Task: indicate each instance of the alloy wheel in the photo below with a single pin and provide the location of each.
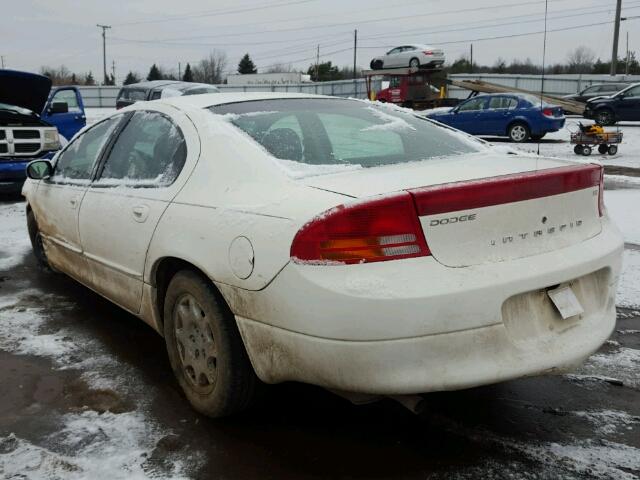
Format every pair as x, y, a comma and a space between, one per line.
518, 133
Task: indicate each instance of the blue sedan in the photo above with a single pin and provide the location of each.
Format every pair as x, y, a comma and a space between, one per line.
517, 116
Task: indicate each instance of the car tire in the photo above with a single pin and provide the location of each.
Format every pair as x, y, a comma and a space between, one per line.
577, 149
612, 150
605, 117
537, 137
586, 151
205, 349
519, 132
602, 149
376, 64
414, 63
36, 241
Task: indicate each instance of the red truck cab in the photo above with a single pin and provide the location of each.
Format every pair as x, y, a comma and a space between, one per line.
407, 90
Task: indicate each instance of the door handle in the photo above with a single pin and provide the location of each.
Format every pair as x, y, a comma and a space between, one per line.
73, 201
140, 213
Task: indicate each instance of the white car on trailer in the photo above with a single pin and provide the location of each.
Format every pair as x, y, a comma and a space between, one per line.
287, 237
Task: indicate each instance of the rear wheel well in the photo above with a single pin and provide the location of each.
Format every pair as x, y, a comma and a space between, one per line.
517, 122
165, 271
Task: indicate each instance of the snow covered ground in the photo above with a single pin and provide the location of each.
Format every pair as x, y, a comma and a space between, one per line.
557, 144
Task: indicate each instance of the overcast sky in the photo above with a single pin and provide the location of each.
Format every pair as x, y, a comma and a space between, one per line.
53, 32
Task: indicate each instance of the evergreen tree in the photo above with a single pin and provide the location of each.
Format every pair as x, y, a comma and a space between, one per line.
89, 80
74, 79
131, 78
110, 80
188, 74
246, 65
154, 73
324, 72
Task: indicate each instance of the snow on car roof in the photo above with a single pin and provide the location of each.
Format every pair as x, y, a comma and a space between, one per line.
212, 99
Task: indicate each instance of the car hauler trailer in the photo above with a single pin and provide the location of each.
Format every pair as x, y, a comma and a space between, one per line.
410, 87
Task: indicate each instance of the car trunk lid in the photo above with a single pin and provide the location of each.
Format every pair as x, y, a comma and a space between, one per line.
499, 209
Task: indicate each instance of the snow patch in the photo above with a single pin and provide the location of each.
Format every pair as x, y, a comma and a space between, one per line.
629, 284
15, 239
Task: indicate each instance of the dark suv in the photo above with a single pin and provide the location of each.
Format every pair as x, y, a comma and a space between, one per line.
624, 105
153, 90
597, 90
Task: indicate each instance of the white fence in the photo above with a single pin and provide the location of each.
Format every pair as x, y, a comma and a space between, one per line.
106, 96
553, 84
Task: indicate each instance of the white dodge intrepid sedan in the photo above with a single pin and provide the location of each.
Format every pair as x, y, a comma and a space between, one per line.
275, 237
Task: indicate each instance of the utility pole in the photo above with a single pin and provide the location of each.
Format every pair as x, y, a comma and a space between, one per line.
104, 51
2, 60
626, 65
616, 34
318, 64
471, 60
355, 50
113, 71
179, 71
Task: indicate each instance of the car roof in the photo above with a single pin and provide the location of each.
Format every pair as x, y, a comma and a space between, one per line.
212, 99
153, 84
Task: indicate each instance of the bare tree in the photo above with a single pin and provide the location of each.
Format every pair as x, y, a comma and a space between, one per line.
211, 69
279, 68
581, 59
59, 76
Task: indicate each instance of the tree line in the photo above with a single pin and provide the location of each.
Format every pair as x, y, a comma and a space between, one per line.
213, 69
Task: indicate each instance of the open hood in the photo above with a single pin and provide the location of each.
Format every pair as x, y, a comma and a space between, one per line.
23, 89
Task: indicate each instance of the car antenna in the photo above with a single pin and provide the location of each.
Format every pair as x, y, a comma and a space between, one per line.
544, 55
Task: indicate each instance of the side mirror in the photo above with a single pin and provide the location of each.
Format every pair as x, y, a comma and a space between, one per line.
58, 107
39, 169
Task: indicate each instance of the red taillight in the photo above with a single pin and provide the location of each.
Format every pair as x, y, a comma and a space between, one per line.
387, 228
601, 207
548, 112
485, 192
428, 52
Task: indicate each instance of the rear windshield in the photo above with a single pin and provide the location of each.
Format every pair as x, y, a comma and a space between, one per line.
343, 132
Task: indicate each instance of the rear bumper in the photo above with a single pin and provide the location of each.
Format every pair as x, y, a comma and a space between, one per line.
548, 126
415, 325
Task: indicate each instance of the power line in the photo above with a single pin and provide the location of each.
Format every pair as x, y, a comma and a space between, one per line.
360, 22
209, 13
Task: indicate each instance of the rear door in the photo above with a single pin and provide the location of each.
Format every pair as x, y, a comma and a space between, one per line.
71, 122
137, 179
499, 113
58, 198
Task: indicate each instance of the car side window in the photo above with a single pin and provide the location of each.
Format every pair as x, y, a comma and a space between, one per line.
77, 160
589, 90
473, 104
633, 92
156, 95
502, 103
150, 152
69, 97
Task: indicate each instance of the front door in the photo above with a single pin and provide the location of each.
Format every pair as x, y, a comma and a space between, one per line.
71, 122
57, 200
467, 116
120, 211
628, 107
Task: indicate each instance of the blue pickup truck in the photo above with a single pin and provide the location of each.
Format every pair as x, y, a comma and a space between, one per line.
35, 121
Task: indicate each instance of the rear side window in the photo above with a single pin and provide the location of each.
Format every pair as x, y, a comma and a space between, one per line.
133, 95
150, 152
341, 133
503, 103
77, 160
